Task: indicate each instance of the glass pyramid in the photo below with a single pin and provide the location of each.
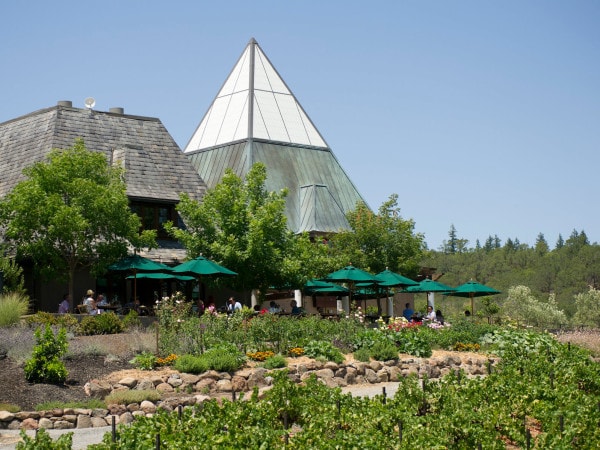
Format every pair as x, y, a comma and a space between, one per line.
254, 103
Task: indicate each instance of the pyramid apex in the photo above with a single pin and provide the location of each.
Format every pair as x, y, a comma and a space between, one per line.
252, 41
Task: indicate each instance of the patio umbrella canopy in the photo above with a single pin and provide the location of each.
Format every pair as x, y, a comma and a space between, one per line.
473, 289
135, 264
202, 266
317, 287
351, 275
162, 276
429, 286
387, 278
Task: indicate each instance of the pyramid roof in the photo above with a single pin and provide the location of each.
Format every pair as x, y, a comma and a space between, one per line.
255, 117
255, 102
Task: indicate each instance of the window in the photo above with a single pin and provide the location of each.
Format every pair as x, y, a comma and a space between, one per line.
154, 216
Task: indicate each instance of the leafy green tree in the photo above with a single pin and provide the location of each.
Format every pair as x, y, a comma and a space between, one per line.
380, 241
523, 306
588, 308
240, 225
12, 276
71, 212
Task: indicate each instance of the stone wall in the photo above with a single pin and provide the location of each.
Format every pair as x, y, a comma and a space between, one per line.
181, 389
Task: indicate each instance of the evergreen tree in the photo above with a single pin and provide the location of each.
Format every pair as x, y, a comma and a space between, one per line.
560, 242
541, 246
451, 246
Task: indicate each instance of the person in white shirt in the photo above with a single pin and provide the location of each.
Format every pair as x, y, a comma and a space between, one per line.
430, 316
233, 305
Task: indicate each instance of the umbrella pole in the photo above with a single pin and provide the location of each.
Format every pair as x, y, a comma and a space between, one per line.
134, 285
472, 305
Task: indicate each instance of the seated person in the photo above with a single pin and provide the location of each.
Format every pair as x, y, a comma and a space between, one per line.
439, 317
296, 310
63, 307
408, 312
430, 316
274, 307
100, 302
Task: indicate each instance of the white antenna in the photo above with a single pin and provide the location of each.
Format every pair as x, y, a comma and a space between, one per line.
90, 102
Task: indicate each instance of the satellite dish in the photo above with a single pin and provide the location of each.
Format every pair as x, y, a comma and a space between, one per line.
90, 102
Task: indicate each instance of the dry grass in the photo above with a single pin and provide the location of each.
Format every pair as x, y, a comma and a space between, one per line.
588, 339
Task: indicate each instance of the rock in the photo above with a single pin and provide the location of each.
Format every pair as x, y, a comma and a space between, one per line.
99, 422
375, 366
126, 417
130, 382
324, 373
201, 398
147, 407
174, 380
205, 385
64, 425
29, 424
189, 378
371, 375
72, 418
46, 423
238, 384
99, 412
97, 389
23, 415
85, 411
224, 386
83, 421
116, 410
165, 387
145, 384
137, 414
6, 416
14, 425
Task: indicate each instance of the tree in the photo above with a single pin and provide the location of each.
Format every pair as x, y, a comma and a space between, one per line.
588, 308
71, 212
541, 246
380, 241
240, 225
451, 245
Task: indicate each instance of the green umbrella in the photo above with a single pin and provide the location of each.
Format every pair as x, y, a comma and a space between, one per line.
473, 289
428, 285
137, 263
351, 275
202, 266
162, 276
316, 287
387, 278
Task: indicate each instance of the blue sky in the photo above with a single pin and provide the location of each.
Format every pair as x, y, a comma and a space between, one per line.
481, 114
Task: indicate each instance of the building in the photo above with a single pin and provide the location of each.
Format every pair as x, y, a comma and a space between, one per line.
156, 170
255, 117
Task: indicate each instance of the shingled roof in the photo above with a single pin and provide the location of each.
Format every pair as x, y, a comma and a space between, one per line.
255, 117
155, 167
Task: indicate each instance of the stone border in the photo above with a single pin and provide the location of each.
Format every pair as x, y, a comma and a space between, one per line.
182, 389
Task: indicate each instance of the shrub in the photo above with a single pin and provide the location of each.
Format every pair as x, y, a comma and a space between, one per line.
42, 441
323, 349
223, 358
144, 361
12, 307
132, 396
45, 364
105, 323
131, 320
384, 351
86, 404
9, 407
275, 362
362, 354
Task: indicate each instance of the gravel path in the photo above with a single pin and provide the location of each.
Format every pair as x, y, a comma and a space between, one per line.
82, 437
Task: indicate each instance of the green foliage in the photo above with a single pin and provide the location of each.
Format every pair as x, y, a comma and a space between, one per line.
70, 212
56, 404
463, 330
12, 307
9, 407
105, 323
522, 306
240, 225
45, 365
127, 397
131, 320
362, 354
323, 350
144, 361
384, 351
275, 362
456, 412
224, 357
380, 241
12, 276
42, 441
41, 318
588, 308
515, 343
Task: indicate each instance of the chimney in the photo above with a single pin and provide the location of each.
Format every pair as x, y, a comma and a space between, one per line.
67, 103
117, 110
